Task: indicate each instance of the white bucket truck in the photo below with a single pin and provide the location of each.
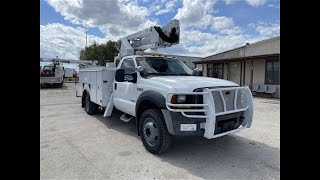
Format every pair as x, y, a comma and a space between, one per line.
52, 74
162, 95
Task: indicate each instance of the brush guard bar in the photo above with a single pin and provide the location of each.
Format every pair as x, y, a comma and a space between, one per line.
209, 108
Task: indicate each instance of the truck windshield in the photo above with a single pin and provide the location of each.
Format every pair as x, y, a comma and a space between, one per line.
47, 68
162, 66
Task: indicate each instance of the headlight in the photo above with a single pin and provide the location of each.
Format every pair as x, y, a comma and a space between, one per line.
178, 99
182, 98
186, 99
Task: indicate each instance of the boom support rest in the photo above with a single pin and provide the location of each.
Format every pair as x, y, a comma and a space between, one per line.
151, 38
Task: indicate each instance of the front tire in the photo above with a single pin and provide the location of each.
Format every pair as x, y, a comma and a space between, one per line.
153, 131
91, 108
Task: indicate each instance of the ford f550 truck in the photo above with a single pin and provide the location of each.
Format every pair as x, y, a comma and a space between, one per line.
162, 95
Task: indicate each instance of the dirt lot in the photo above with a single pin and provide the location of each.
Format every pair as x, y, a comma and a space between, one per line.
74, 145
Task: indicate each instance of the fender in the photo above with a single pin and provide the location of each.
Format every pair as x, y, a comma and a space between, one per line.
86, 87
149, 95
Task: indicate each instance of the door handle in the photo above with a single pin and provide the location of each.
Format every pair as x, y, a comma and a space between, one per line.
115, 86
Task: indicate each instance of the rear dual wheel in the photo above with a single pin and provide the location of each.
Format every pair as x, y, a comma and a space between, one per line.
91, 108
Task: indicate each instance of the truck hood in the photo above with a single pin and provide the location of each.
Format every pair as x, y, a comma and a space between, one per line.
189, 83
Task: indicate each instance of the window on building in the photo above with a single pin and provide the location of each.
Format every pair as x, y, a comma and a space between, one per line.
218, 70
210, 70
215, 70
272, 71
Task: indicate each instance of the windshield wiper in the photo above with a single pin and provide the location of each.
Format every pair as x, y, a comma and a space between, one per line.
167, 74
179, 74
185, 74
158, 74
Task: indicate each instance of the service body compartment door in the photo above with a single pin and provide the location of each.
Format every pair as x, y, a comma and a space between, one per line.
93, 86
107, 79
79, 87
99, 87
98, 81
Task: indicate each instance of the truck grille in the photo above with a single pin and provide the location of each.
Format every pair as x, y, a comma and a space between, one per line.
229, 97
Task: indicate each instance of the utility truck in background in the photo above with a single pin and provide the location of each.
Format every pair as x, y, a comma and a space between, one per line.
161, 94
52, 74
52, 71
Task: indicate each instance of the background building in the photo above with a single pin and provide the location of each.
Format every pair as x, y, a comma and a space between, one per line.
256, 63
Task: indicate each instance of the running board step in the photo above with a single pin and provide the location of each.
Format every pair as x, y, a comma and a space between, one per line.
126, 117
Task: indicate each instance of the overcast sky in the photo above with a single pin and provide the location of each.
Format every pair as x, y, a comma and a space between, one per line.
207, 26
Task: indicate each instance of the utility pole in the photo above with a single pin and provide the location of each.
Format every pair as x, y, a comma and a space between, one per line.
86, 34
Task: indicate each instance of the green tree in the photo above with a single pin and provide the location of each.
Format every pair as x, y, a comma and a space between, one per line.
101, 52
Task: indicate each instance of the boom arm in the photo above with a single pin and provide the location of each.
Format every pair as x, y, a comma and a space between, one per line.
69, 61
82, 62
150, 38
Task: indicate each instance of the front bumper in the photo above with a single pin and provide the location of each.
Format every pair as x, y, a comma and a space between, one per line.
214, 121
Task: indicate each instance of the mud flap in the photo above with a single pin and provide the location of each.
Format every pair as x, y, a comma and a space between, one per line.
109, 108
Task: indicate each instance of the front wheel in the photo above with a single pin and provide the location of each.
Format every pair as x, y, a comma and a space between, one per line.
153, 131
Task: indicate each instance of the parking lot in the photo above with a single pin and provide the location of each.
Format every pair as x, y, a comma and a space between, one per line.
74, 145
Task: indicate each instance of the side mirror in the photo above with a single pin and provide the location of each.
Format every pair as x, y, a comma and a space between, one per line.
140, 68
131, 77
119, 75
134, 76
195, 73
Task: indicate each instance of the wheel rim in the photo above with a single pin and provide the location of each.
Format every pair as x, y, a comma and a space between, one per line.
150, 132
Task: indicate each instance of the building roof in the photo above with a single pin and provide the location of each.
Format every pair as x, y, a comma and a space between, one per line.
267, 47
172, 55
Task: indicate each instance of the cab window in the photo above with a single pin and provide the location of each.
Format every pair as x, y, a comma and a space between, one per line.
128, 66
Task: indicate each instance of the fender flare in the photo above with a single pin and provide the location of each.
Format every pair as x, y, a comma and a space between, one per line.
149, 95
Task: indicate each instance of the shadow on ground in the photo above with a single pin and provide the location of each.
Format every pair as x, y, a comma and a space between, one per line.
54, 88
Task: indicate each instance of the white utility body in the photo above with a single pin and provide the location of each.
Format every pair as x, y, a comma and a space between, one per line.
162, 94
97, 81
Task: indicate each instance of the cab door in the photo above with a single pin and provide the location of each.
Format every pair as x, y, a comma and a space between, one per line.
124, 92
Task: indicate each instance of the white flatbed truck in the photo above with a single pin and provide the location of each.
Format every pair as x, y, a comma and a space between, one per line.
162, 95
52, 74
